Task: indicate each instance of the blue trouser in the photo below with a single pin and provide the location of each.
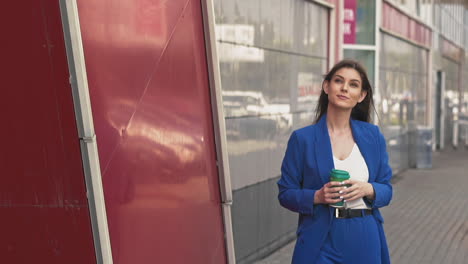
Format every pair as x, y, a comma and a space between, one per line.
352, 240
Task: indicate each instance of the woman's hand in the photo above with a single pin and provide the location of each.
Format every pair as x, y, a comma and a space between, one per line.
358, 190
330, 193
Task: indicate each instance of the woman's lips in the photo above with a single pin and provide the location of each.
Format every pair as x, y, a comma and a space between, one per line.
342, 97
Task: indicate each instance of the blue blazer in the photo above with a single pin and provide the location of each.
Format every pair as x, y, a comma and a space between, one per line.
305, 169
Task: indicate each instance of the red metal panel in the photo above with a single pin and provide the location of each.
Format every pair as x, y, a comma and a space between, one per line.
43, 205
122, 50
147, 74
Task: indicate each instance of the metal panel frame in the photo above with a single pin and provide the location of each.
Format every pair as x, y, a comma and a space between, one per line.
341, 30
442, 109
84, 119
323, 3
429, 93
359, 47
412, 42
219, 126
332, 33
377, 47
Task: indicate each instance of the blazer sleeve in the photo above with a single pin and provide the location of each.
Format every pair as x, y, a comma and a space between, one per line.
382, 187
291, 194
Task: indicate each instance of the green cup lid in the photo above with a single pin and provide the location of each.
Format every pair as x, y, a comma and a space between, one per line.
339, 174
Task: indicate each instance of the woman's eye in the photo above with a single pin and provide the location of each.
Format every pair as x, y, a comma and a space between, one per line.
338, 80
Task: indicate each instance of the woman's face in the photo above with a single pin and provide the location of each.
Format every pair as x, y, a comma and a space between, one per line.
345, 89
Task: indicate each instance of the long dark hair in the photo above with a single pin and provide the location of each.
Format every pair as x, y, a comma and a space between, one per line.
362, 111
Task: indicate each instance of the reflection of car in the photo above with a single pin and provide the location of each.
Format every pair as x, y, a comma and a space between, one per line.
238, 103
253, 116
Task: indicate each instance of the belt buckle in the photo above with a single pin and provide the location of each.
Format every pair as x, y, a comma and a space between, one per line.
337, 213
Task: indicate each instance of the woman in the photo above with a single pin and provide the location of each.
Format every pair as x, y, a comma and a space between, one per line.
341, 138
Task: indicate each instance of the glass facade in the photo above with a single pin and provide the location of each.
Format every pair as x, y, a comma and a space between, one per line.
412, 6
272, 56
463, 116
365, 27
420, 8
282, 25
451, 98
359, 22
403, 99
366, 58
450, 20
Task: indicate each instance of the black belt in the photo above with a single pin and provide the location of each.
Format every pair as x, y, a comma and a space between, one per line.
349, 213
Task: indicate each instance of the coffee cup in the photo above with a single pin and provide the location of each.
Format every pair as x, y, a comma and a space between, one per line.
339, 176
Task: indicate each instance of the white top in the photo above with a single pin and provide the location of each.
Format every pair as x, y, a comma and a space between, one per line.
357, 168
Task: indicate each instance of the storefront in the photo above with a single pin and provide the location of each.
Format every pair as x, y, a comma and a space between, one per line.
449, 66
403, 83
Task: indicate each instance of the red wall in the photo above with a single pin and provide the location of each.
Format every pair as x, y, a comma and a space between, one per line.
148, 81
44, 214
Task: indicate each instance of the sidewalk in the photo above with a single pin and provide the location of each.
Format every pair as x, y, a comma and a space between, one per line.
427, 221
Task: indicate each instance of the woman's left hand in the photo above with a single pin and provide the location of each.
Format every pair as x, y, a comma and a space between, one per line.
358, 190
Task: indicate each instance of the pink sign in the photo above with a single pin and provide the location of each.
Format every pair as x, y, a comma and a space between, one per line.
349, 21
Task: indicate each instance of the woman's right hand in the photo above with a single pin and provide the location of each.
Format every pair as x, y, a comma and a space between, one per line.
330, 193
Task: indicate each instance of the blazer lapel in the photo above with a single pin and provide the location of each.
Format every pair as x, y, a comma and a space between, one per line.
363, 139
323, 150
324, 154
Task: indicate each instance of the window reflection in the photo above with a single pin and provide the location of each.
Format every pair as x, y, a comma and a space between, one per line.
403, 81
254, 115
402, 91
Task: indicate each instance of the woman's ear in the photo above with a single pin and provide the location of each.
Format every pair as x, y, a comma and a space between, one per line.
325, 86
363, 95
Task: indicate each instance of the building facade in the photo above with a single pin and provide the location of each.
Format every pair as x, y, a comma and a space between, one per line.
153, 131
